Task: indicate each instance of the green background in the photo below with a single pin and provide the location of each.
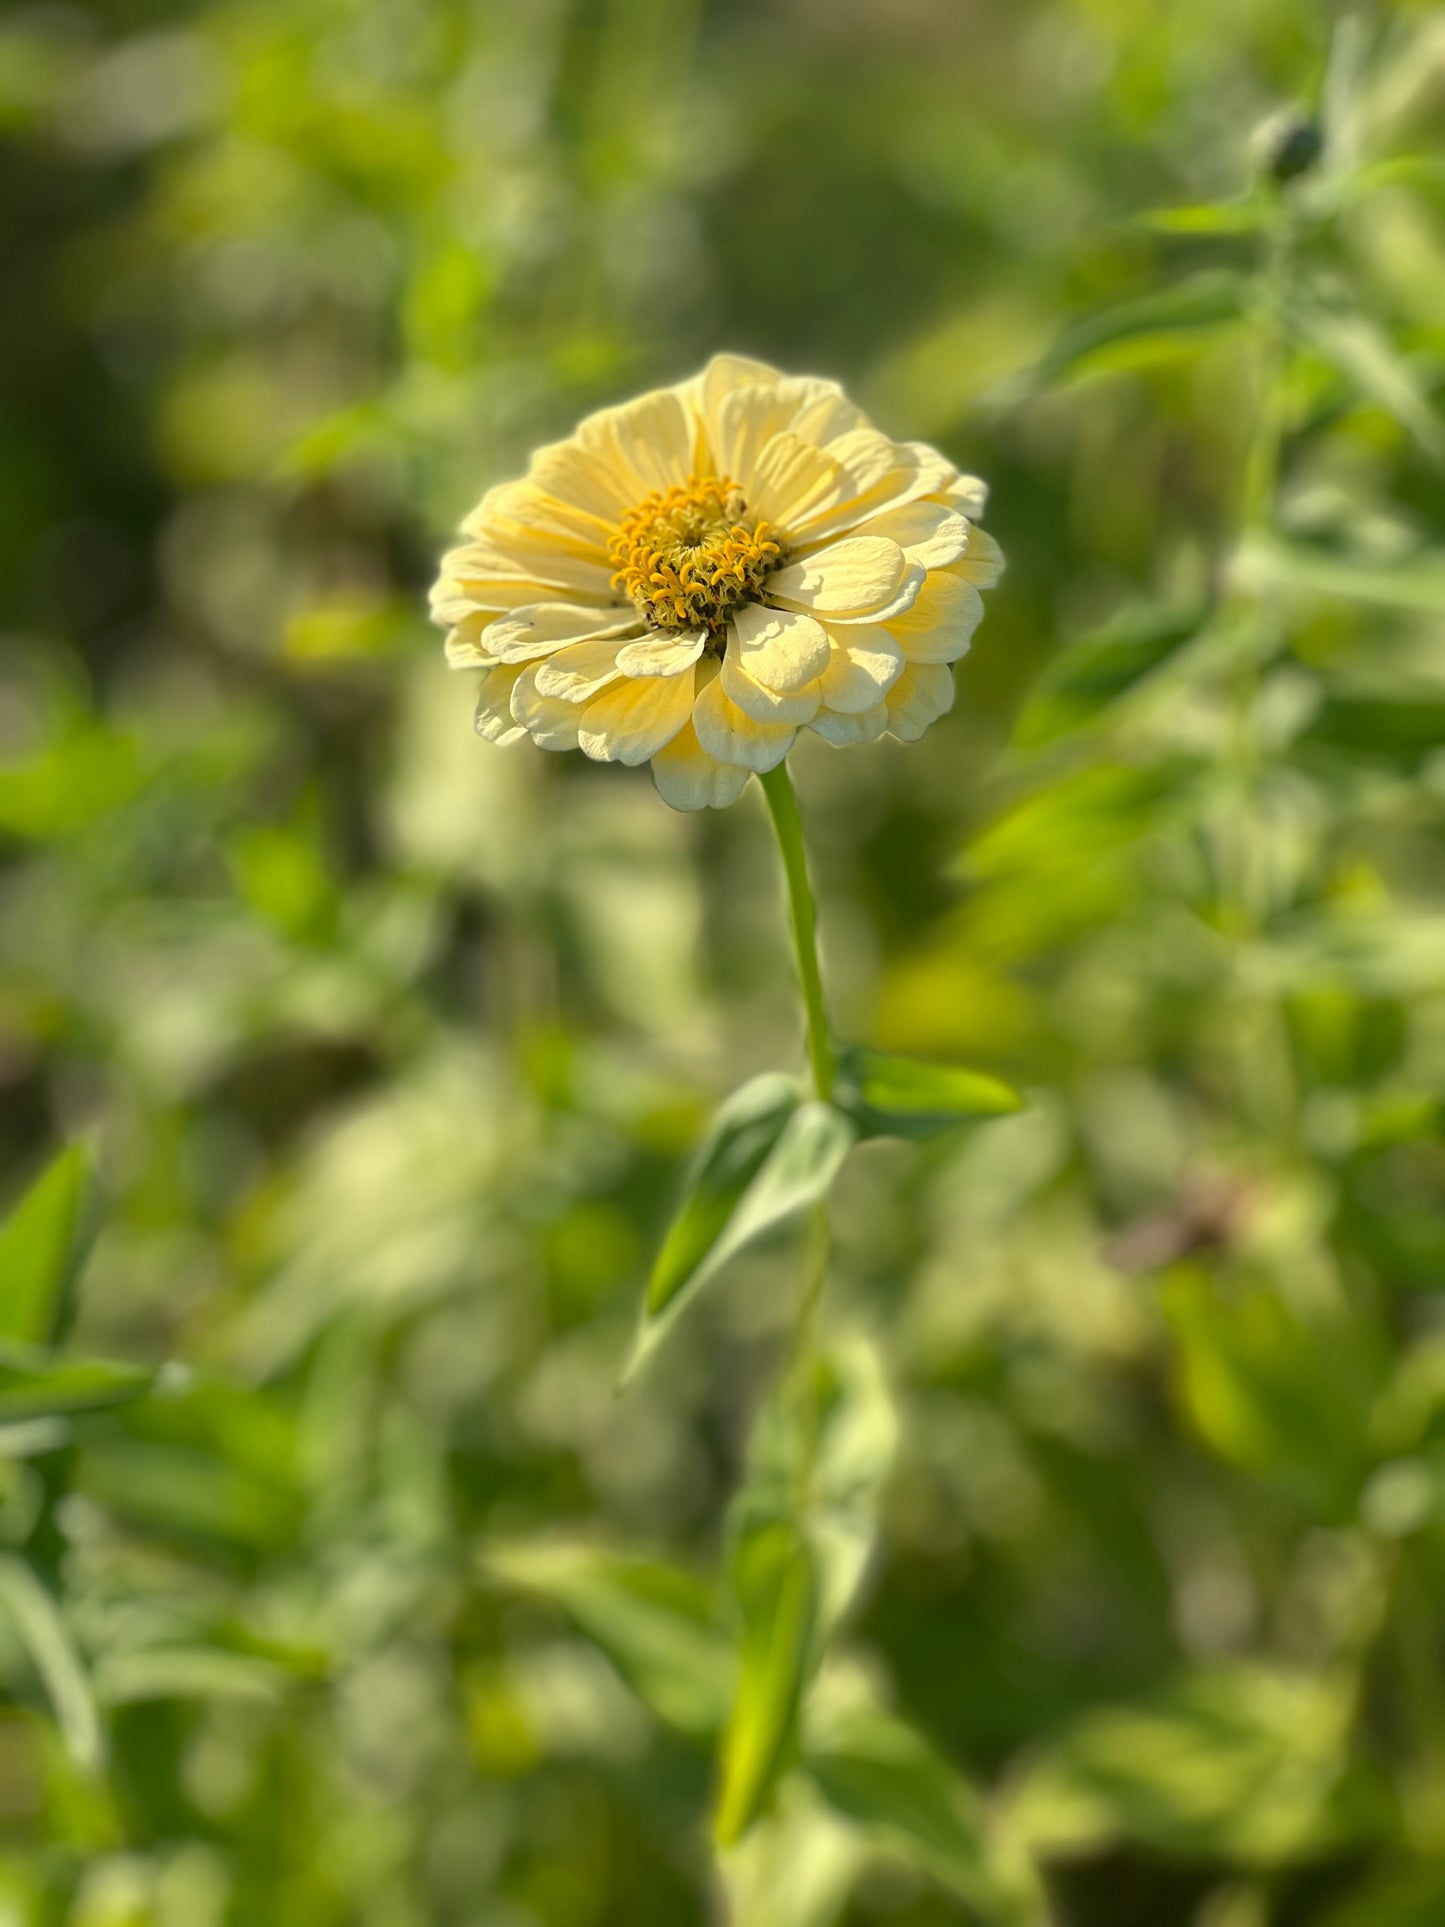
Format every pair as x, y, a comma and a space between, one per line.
390, 1047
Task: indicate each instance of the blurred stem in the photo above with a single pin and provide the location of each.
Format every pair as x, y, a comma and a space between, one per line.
783, 808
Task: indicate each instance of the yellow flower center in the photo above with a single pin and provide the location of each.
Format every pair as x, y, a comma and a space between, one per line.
688, 556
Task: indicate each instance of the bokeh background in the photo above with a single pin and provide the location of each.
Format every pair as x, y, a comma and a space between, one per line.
390, 1046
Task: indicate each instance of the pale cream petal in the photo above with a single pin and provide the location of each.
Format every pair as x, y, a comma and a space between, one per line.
732, 736
634, 718
779, 648
967, 494
464, 646
794, 480
913, 580
746, 418
493, 718
551, 724
657, 655
863, 665
591, 480
653, 440
522, 512
922, 694
883, 475
689, 779
982, 564
492, 576
579, 671
940, 624
845, 731
765, 705
857, 576
929, 533
541, 628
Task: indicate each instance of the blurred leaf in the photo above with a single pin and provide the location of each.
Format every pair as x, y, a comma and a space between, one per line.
1165, 326
767, 1158
777, 1592
38, 1621
1269, 1394
1246, 1763
1415, 585
886, 1779
1088, 675
42, 1246
900, 1097
36, 1384
1353, 344
185, 1673
656, 1623
1247, 215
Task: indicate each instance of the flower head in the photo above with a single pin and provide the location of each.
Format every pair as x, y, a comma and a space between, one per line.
698, 574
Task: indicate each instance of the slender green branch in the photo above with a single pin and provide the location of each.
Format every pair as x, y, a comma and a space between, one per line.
783, 808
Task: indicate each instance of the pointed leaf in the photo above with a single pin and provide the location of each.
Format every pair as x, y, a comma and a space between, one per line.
654, 1622
744, 1131
1089, 675
902, 1097
42, 1243
36, 1384
1163, 326
776, 1583
758, 1170
42, 1630
886, 1779
1366, 357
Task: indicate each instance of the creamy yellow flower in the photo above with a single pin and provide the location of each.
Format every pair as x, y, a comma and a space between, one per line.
697, 575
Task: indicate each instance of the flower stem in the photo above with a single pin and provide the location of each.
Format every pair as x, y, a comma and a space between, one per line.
783, 808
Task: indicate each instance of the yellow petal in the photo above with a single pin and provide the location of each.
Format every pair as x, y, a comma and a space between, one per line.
929, 533
652, 440
793, 480
779, 648
967, 494
522, 512
541, 628
941, 622
844, 731
857, 576
732, 736
765, 705
635, 717
493, 718
660, 655
593, 483
745, 419
982, 564
863, 665
922, 694
551, 724
689, 779
578, 671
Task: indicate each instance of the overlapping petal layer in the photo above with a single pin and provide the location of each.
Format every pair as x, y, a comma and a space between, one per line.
850, 630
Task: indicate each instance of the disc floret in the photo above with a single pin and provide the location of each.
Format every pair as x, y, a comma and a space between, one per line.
689, 555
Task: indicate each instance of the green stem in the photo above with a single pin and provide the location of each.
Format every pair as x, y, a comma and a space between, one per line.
783, 808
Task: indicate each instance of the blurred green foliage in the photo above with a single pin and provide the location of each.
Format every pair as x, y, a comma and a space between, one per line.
376, 1605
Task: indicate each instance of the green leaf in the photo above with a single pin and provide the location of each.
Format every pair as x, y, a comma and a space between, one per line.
1085, 678
1280, 1399
655, 1623
1247, 215
42, 1630
1415, 585
36, 1384
777, 1588
768, 1157
900, 1097
1351, 343
1245, 1762
1165, 326
745, 1129
42, 1245
887, 1780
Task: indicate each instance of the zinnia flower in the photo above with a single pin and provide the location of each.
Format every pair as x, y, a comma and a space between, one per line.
698, 574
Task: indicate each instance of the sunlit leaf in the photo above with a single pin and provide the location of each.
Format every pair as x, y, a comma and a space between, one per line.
1415, 584
42, 1244
1088, 675
36, 1384
775, 1580
902, 1097
887, 1780
768, 1157
656, 1623
1246, 1762
1169, 325
1363, 353
1247, 215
